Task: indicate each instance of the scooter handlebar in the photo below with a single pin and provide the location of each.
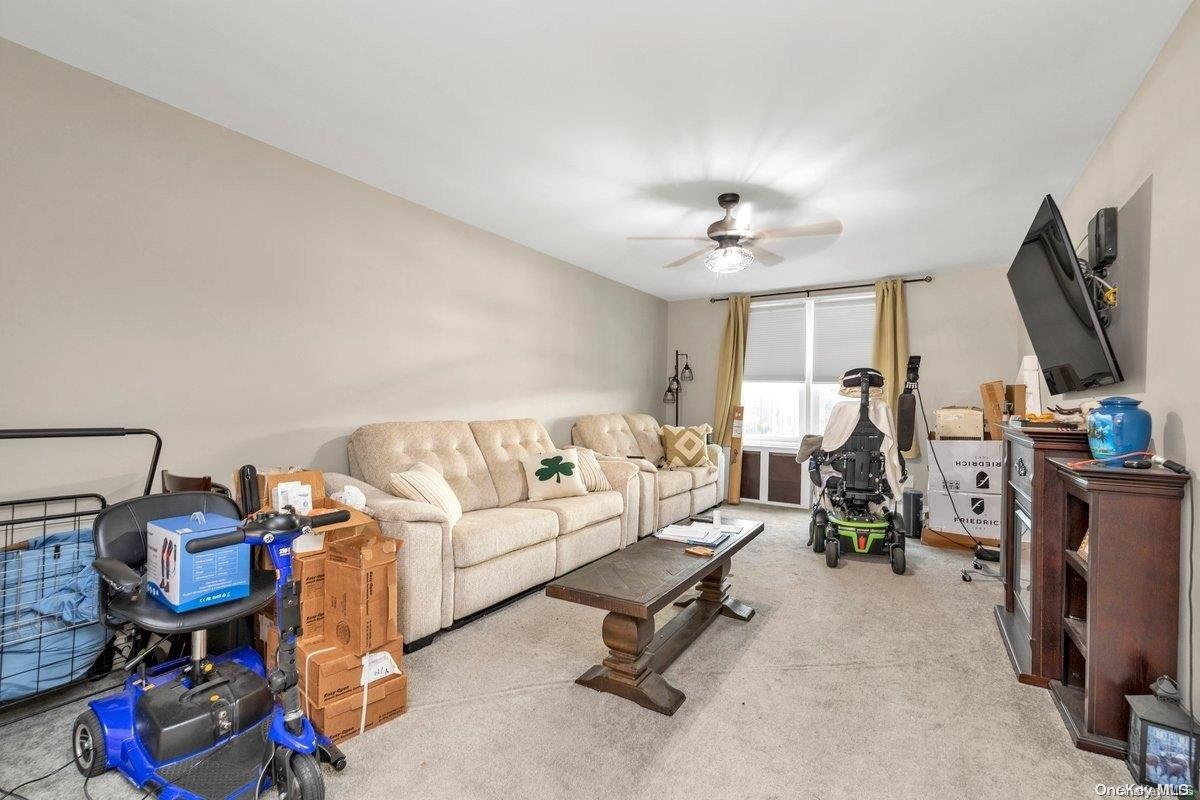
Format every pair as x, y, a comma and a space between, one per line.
216, 541
332, 518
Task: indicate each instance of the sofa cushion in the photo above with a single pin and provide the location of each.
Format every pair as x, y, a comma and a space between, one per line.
378, 450
579, 512
701, 476
491, 532
608, 434
645, 432
673, 482
503, 443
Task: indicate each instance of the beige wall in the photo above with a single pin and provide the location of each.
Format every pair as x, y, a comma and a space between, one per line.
1149, 168
963, 325
161, 271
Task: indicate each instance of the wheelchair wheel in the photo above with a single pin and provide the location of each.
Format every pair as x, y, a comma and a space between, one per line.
832, 549
898, 564
816, 532
87, 744
307, 783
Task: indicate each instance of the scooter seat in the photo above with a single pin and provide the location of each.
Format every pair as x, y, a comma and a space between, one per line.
148, 613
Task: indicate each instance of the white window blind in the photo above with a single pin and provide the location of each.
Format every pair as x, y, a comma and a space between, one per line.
843, 335
776, 346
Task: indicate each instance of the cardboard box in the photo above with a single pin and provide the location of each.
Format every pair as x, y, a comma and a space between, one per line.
967, 466
979, 512
959, 422
344, 719
329, 673
185, 581
269, 479
361, 593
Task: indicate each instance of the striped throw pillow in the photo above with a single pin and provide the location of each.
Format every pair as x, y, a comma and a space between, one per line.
593, 476
424, 484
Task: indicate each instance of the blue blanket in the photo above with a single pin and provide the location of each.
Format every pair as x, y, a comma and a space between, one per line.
49, 611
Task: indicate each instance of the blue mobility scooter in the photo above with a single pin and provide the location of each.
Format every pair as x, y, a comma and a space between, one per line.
201, 728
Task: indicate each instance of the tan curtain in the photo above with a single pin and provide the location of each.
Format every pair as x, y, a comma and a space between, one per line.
729, 371
890, 351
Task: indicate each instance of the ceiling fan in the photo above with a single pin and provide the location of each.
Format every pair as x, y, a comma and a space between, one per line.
738, 245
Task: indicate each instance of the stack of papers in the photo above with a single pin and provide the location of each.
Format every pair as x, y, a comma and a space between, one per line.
698, 533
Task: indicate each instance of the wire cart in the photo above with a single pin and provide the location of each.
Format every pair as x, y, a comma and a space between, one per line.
50, 632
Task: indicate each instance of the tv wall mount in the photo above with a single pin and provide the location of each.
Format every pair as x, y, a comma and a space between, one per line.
1102, 252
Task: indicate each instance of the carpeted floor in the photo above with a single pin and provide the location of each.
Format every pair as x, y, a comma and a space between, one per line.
847, 683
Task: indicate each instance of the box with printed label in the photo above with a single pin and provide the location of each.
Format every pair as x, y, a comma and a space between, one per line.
329, 672
979, 512
361, 592
966, 466
184, 581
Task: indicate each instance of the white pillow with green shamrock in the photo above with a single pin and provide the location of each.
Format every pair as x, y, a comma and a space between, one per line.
553, 474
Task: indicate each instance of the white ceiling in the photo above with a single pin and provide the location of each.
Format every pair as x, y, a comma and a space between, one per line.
930, 128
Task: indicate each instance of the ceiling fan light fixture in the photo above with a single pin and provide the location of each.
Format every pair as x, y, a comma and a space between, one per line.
726, 260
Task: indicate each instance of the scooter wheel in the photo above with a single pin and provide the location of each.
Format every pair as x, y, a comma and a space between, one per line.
898, 565
307, 781
87, 745
832, 550
817, 532
966, 578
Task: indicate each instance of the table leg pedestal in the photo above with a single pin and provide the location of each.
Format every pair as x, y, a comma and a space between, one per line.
627, 672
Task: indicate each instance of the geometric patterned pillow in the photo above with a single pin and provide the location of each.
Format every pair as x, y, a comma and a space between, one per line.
686, 447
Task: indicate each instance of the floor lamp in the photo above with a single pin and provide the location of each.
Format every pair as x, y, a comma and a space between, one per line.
675, 385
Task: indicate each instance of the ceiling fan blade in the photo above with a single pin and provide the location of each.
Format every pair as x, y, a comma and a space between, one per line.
765, 257
816, 229
667, 238
680, 262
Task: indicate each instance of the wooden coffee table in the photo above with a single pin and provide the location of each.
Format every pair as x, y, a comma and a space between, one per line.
636, 583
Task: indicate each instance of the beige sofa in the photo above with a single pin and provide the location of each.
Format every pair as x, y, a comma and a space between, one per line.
667, 495
504, 544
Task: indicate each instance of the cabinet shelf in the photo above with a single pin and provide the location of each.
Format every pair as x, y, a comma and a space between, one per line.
1077, 563
1077, 629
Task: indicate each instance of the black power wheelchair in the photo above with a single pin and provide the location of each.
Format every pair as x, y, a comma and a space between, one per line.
853, 509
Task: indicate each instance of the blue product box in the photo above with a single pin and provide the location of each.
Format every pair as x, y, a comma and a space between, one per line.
185, 581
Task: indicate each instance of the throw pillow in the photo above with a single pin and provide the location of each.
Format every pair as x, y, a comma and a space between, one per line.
589, 467
686, 447
425, 484
553, 474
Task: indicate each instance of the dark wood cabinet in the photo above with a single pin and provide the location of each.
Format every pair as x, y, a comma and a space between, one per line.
1091, 627
1110, 617
1025, 532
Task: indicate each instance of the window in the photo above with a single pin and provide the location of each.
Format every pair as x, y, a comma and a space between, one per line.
796, 351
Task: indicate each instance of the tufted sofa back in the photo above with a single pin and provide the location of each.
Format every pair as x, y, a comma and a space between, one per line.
645, 432
607, 434
504, 442
378, 450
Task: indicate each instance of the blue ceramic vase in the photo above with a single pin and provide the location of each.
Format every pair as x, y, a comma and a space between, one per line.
1118, 427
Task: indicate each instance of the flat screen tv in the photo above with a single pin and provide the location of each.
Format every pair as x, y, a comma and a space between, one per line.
1055, 303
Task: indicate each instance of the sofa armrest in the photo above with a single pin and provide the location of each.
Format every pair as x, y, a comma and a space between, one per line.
618, 473
715, 454
387, 507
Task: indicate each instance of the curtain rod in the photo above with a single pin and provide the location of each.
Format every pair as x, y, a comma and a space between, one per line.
808, 292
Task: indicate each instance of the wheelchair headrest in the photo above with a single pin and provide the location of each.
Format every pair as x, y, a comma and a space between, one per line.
851, 382
852, 378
